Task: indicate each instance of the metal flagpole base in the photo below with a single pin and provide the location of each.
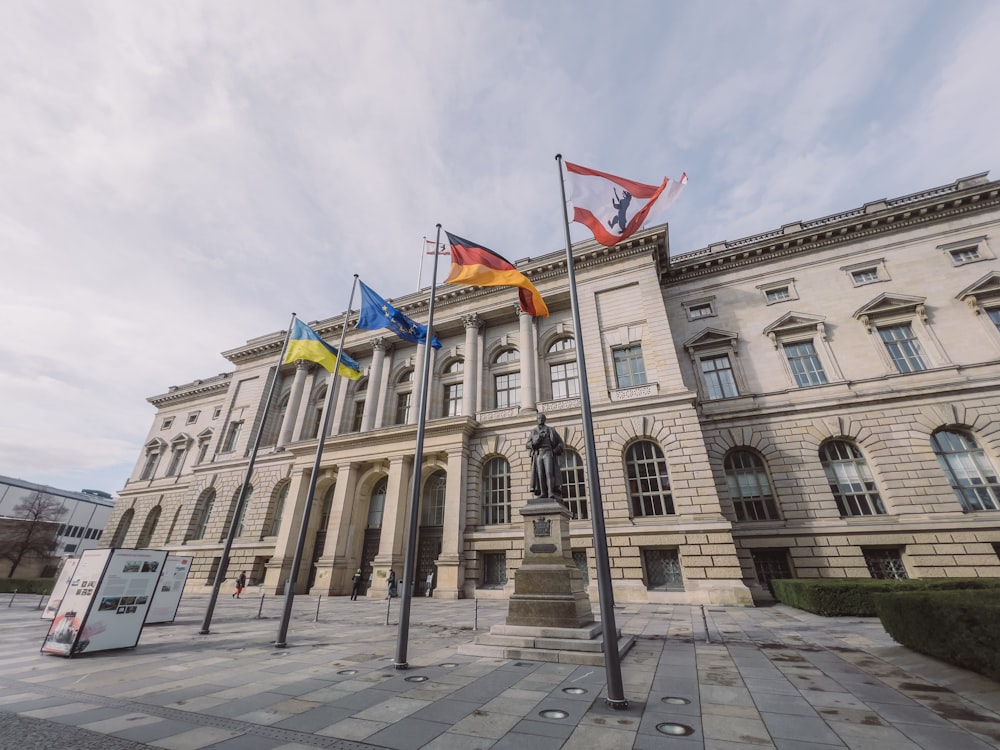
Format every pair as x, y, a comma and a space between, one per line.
283, 644
204, 631
621, 705
400, 665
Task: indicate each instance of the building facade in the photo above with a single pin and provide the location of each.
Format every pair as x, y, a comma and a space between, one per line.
80, 518
815, 401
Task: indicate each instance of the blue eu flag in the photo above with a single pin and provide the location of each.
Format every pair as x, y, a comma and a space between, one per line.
376, 313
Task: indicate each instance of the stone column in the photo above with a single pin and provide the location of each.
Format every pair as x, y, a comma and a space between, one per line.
394, 516
339, 404
470, 382
305, 405
451, 561
418, 368
345, 532
529, 400
279, 567
294, 397
374, 381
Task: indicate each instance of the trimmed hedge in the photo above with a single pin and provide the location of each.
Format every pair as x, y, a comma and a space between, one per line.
959, 627
855, 597
27, 585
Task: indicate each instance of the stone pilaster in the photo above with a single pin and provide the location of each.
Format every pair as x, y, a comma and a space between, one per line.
470, 384
529, 363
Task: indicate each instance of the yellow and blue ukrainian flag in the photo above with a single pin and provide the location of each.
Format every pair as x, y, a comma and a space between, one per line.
305, 343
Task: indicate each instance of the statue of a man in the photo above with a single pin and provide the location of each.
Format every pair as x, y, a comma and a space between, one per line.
545, 446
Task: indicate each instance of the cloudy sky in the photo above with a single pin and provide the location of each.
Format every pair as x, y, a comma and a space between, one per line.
177, 177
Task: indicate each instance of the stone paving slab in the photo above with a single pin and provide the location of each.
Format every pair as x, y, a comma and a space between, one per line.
757, 678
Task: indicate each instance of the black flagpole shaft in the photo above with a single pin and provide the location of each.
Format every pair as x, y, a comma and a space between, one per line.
280, 641
220, 572
403, 632
612, 659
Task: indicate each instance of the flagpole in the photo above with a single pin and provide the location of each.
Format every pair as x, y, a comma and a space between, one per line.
220, 572
281, 640
612, 659
411, 537
420, 273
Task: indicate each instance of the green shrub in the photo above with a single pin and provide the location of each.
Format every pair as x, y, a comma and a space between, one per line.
854, 597
27, 585
959, 627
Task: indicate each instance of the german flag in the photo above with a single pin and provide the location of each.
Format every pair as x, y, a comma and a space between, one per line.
475, 265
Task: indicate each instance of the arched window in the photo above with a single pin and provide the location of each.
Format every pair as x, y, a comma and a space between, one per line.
148, 526
376, 507
563, 376
749, 487
358, 415
202, 512
118, 539
969, 471
243, 511
496, 491
432, 504
275, 419
648, 481
574, 487
280, 495
850, 479
507, 379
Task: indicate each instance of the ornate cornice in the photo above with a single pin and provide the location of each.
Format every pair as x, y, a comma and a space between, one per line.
195, 389
968, 194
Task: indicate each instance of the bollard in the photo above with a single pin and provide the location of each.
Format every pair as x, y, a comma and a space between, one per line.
475, 622
40, 600
388, 605
704, 619
318, 600
261, 607
12, 598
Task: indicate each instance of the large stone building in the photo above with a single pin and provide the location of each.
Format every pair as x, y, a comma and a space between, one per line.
820, 400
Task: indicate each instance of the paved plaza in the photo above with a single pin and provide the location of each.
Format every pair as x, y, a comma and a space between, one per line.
729, 678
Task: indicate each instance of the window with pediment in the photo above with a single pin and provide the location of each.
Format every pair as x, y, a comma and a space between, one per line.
803, 348
178, 450
154, 451
713, 357
903, 336
983, 298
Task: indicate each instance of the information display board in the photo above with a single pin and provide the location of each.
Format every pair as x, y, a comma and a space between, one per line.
167, 597
106, 603
66, 572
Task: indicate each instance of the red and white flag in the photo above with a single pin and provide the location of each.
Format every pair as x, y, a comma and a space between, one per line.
430, 246
614, 208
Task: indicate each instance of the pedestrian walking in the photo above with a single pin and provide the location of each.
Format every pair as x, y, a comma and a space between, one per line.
391, 588
356, 586
241, 583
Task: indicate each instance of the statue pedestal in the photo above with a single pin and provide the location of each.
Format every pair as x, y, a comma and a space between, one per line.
549, 616
548, 587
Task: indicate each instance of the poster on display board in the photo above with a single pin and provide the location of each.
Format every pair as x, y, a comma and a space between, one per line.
66, 571
167, 597
106, 603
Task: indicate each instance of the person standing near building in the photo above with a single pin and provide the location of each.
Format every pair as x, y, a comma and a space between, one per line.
356, 586
390, 589
241, 583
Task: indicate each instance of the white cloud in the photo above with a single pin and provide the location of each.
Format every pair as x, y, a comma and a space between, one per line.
178, 177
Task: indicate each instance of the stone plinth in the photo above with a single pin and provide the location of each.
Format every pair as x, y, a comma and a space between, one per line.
548, 587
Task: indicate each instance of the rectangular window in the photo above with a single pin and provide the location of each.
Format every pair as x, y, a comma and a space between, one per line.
630, 370
150, 466
777, 295
717, 375
167, 423
494, 569
193, 417
994, 316
402, 408
805, 364
885, 563
217, 412
176, 458
663, 569
770, 565
965, 255
565, 382
453, 399
232, 436
202, 450
903, 347
508, 390
359, 416
700, 311
864, 276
